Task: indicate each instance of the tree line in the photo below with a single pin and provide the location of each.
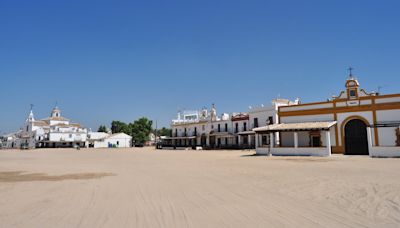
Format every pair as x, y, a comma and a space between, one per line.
139, 129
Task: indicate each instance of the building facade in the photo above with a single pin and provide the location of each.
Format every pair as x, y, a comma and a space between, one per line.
206, 129
353, 123
53, 131
108, 140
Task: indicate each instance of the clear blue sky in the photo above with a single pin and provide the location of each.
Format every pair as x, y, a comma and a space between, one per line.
120, 60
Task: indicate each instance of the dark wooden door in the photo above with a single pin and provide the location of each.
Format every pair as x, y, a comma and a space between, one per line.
203, 140
212, 141
356, 142
316, 141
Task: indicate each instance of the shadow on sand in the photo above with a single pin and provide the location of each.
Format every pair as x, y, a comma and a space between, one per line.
254, 155
20, 176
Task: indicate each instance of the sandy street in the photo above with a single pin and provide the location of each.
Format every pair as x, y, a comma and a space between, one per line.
143, 187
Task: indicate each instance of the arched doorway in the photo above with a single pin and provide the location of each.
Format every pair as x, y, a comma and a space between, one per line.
355, 137
212, 139
203, 140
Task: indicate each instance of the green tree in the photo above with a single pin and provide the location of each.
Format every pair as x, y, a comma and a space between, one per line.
118, 127
164, 132
102, 128
140, 130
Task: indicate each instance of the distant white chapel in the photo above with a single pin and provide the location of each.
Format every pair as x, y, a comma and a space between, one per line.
53, 131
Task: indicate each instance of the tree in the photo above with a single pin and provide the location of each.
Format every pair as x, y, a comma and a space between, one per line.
102, 128
140, 130
164, 132
118, 127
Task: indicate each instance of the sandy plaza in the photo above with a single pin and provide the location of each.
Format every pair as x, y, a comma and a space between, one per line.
144, 187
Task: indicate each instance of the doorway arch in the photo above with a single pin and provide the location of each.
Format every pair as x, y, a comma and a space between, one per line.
355, 137
203, 140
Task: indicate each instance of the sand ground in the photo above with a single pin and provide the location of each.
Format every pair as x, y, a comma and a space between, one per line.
143, 187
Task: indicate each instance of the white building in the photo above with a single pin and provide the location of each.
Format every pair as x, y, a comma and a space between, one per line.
230, 131
106, 140
256, 117
9, 140
354, 123
54, 131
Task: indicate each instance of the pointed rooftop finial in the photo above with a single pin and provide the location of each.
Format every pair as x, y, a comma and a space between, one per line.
350, 69
30, 116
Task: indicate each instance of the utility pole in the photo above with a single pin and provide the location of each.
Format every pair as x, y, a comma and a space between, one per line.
155, 136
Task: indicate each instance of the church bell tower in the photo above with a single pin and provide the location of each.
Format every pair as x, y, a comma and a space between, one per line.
56, 112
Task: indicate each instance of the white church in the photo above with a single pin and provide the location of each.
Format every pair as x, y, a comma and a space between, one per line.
51, 132
353, 123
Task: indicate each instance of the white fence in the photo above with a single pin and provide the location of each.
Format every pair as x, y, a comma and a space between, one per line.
299, 151
381, 151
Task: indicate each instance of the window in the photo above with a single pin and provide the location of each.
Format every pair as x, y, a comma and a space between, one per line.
226, 127
203, 127
70, 135
226, 141
27, 128
255, 122
270, 120
265, 139
117, 142
219, 127
212, 126
352, 93
315, 141
245, 140
236, 127
244, 126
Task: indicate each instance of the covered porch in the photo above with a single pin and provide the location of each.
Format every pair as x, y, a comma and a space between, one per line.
301, 139
246, 139
221, 140
176, 142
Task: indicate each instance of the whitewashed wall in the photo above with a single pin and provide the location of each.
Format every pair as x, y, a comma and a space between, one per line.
388, 115
387, 100
123, 142
306, 107
262, 114
287, 139
303, 138
309, 151
307, 118
67, 137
